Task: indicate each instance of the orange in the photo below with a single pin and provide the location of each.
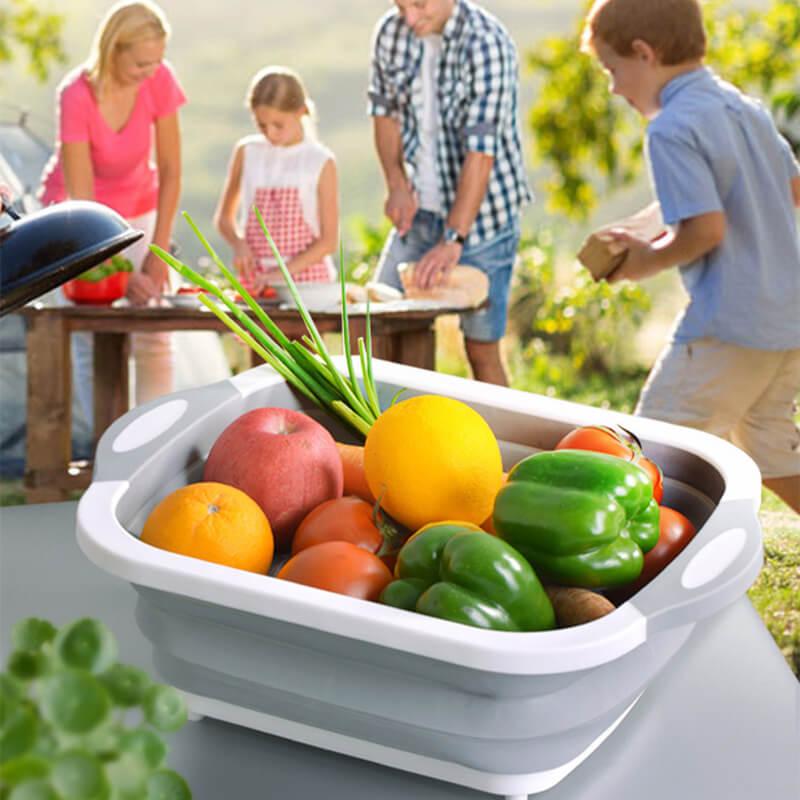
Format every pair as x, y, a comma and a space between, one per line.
431, 458
214, 522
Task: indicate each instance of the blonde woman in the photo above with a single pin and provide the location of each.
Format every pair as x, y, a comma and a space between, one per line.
291, 178
111, 111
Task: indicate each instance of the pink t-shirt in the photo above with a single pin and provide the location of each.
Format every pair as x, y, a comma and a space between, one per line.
125, 177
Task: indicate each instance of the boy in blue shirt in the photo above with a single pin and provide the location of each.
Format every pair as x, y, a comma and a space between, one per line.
727, 184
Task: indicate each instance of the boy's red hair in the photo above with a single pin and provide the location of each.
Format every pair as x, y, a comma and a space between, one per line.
673, 28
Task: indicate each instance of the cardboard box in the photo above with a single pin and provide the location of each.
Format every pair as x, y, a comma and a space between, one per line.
601, 254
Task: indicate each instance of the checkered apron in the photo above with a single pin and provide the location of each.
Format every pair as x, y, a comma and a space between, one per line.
282, 183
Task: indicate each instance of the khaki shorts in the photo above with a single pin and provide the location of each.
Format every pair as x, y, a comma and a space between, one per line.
746, 396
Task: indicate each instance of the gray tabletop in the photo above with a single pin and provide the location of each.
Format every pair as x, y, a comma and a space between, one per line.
721, 721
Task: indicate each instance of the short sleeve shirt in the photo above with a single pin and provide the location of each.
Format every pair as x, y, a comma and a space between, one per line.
712, 148
477, 100
125, 177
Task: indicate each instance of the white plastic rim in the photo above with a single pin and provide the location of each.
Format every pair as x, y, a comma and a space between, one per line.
710, 562
150, 425
111, 547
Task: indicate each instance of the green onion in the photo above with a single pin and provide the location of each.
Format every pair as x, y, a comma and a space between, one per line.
306, 365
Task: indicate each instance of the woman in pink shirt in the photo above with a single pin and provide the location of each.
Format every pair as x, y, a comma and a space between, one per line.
110, 111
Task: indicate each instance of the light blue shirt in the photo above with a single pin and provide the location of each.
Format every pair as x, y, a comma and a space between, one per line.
712, 148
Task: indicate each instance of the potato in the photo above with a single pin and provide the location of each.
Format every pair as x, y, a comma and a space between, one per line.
576, 606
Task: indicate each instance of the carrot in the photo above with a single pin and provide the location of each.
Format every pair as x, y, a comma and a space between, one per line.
575, 606
487, 523
355, 482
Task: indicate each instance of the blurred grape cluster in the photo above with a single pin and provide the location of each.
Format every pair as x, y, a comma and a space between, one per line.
75, 724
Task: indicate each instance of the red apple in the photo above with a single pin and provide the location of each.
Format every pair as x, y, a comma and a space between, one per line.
285, 460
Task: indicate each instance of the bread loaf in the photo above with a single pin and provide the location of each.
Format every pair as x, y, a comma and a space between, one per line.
466, 287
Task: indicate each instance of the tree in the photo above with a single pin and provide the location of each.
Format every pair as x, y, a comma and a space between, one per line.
37, 33
592, 143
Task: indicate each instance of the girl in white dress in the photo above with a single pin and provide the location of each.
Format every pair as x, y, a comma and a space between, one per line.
292, 179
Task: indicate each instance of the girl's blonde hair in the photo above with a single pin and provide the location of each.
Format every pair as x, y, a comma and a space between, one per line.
281, 88
673, 28
125, 24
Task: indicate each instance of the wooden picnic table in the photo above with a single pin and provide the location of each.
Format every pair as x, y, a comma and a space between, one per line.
405, 335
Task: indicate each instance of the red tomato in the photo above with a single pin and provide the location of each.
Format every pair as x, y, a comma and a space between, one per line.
267, 292
675, 532
349, 519
342, 519
341, 567
616, 442
655, 475
189, 290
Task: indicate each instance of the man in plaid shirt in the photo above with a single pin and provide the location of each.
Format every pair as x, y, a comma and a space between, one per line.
443, 99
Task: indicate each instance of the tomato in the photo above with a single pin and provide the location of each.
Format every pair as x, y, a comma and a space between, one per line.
350, 519
655, 475
675, 532
189, 290
341, 567
616, 442
267, 292
342, 519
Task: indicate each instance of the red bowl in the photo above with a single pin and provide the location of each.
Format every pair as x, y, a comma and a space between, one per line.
97, 293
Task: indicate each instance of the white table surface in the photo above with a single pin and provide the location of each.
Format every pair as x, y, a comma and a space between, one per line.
721, 721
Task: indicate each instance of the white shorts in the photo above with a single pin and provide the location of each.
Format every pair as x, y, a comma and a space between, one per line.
746, 396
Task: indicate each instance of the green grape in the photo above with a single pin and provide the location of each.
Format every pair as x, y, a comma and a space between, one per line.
164, 708
128, 775
47, 741
32, 633
18, 727
27, 665
145, 744
36, 789
11, 690
74, 701
165, 784
125, 684
24, 768
86, 644
78, 775
103, 740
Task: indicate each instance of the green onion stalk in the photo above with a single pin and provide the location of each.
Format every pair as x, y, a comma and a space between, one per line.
306, 365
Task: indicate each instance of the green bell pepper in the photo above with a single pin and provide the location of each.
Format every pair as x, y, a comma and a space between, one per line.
458, 572
581, 518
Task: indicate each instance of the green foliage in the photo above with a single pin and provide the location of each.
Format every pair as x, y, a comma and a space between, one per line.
24, 26
584, 326
64, 702
776, 592
369, 239
591, 142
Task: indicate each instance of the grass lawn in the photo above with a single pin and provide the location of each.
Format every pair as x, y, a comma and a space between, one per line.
776, 592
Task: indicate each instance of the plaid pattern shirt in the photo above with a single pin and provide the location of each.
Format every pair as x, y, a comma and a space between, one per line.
477, 96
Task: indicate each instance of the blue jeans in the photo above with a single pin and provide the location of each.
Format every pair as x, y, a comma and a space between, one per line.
494, 257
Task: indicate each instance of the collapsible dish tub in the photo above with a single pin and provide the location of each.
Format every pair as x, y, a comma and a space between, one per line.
505, 713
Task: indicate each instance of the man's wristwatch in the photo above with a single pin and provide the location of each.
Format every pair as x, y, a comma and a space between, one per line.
452, 235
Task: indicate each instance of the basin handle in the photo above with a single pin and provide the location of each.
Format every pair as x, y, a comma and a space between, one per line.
716, 568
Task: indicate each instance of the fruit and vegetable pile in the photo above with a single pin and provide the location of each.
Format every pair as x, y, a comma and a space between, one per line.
421, 516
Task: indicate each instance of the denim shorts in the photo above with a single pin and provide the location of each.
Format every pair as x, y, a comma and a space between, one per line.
494, 257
